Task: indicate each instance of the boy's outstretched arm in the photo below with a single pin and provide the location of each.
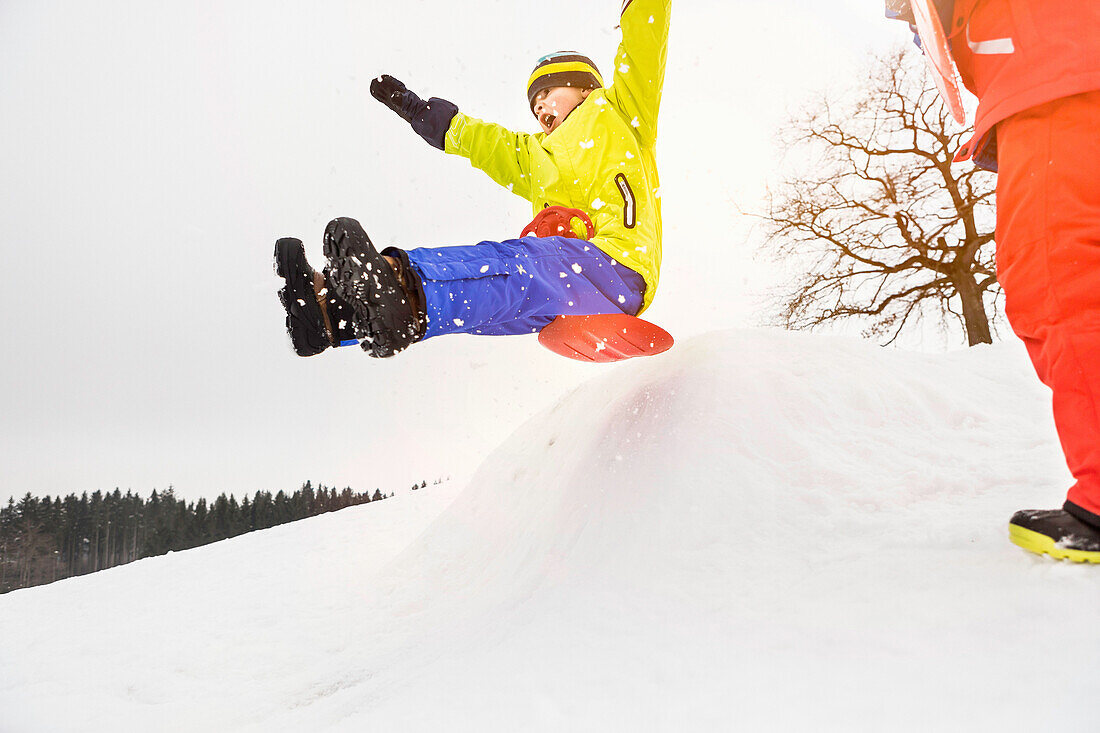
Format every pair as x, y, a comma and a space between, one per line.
640, 64
501, 153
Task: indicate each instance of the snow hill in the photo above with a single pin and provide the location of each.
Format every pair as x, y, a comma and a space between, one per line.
755, 531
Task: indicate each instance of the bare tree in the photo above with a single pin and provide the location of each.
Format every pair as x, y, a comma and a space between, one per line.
884, 227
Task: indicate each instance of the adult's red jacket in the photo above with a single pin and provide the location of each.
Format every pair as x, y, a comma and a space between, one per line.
1017, 54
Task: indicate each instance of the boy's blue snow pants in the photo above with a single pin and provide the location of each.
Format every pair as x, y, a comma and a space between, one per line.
520, 285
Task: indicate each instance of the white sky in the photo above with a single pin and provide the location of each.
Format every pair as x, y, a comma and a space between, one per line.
151, 153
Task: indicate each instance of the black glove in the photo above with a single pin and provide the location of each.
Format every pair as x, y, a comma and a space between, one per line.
396, 96
430, 119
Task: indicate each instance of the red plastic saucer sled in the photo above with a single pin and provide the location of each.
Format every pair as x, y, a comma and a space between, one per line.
604, 338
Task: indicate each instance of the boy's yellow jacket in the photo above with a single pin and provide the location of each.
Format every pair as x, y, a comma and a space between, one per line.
601, 158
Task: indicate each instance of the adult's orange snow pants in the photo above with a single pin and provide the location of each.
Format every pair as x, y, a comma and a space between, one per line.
1048, 263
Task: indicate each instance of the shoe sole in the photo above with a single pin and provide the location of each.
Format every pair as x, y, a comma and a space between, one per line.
368, 284
303, 316
1040, 544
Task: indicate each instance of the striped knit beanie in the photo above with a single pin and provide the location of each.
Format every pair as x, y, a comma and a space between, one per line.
562, 69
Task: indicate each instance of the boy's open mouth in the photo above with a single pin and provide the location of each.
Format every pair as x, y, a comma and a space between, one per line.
547, 119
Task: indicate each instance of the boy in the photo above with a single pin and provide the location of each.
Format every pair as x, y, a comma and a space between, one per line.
591, 167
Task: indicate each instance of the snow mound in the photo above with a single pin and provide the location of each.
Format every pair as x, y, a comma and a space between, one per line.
757, 530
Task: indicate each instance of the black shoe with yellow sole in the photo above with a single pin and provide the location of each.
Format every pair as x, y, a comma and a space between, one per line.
1055, 532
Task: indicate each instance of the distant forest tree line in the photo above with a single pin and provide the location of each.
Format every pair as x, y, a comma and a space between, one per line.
43, 540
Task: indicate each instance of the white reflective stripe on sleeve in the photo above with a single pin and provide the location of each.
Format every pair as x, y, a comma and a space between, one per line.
994, 47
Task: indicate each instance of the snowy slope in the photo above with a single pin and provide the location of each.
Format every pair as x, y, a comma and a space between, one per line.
755, 531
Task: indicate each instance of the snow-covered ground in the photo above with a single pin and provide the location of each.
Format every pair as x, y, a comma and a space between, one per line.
754, 531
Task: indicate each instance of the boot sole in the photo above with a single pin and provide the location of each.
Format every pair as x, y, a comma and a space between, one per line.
304, 322
383, 316
1040, 544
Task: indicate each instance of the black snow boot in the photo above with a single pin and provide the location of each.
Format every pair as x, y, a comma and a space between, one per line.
1057, 532
305, 319
387, 311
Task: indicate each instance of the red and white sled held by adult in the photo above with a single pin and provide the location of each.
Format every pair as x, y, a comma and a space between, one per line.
937, 51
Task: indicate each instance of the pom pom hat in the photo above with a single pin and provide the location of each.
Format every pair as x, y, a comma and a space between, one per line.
562, 69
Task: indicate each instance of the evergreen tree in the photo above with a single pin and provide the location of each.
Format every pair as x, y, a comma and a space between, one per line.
245, 521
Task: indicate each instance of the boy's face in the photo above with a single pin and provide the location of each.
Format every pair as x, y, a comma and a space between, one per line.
553, 105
